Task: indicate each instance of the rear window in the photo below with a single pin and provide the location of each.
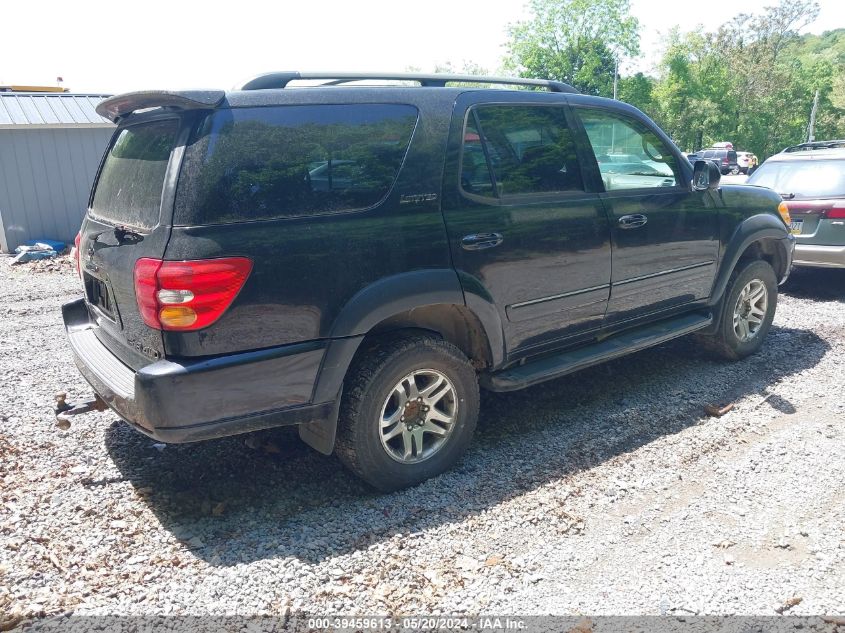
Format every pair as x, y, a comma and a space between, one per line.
803, 179
129, 187
529, 150
289, 161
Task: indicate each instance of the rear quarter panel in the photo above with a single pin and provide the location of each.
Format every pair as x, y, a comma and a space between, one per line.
305, 270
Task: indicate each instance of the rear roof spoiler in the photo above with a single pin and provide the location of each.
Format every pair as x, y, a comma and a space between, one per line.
119, 106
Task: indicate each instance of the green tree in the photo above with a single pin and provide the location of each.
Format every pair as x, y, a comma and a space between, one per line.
576, 41
693, 95
638, 90
751, 82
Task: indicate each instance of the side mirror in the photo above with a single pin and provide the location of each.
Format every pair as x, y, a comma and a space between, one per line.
705, 175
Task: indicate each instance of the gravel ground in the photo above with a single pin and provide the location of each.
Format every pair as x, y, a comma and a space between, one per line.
608, 492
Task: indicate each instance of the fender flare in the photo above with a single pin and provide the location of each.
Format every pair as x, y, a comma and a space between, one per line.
752, 229
372, 305
394, 295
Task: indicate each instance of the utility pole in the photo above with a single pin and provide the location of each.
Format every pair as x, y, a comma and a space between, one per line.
616, 77
811, 129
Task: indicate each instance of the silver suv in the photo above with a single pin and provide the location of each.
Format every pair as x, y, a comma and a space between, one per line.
811, 180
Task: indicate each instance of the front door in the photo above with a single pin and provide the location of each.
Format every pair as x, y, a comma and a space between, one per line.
525, 229
665, 236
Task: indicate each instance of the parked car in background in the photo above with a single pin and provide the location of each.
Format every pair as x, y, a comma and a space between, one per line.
358, 260
811, 180
725, 159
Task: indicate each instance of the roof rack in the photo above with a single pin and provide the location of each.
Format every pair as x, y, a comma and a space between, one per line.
269, 81
815, 145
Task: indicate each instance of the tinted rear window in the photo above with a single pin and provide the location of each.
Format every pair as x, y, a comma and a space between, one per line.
129, 188
263, 163
804, 179
530, 150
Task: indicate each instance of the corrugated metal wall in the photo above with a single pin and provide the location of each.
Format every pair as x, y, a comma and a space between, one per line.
45, 177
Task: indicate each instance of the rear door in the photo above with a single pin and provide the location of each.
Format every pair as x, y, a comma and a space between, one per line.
665, 236
125, 222
526, 226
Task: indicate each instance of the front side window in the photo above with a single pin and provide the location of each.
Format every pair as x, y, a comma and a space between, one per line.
130, 184
517, 150
629, 155
289, 161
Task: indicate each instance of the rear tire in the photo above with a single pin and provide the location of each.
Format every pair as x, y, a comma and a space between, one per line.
747, 312
408, 412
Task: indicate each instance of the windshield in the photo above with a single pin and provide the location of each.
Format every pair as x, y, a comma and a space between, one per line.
129, 188
803, 179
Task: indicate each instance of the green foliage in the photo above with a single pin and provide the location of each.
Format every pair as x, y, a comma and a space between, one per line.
752, 82
638, 90
575, 41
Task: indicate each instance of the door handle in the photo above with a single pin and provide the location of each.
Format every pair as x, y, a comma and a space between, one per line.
632, 221
480, 241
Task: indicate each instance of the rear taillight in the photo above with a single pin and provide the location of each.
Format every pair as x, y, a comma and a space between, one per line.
783, 209
190, 295
837, 212
75, 253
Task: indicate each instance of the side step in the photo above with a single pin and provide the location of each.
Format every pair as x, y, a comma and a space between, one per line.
550, 367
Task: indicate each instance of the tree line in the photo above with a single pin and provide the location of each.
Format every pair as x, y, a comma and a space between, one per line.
752, 81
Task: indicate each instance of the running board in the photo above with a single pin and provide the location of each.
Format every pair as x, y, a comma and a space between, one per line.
550, 367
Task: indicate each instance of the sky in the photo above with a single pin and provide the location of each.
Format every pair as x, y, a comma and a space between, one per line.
181, 44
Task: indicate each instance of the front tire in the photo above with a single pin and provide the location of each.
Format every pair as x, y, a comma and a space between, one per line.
409, 409
747, 312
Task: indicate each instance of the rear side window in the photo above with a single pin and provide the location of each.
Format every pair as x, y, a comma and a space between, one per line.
803, 179
128, 190
518, 150
289, 161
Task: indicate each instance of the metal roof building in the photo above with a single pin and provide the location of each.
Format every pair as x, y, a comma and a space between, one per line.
50, 147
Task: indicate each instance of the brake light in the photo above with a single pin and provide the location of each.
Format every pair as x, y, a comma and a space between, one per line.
838, 211
75, 253
188, 295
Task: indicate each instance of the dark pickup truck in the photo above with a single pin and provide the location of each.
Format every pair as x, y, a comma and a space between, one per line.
358, 259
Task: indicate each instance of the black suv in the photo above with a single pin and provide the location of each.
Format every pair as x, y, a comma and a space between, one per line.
356, 259
725, 159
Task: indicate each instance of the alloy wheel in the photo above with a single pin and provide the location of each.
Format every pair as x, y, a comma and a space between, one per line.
750, 310
418, 416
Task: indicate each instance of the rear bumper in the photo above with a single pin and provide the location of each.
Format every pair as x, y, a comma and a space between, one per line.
820, 256
182, 400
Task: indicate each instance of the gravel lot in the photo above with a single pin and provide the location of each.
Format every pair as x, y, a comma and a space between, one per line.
608, 492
